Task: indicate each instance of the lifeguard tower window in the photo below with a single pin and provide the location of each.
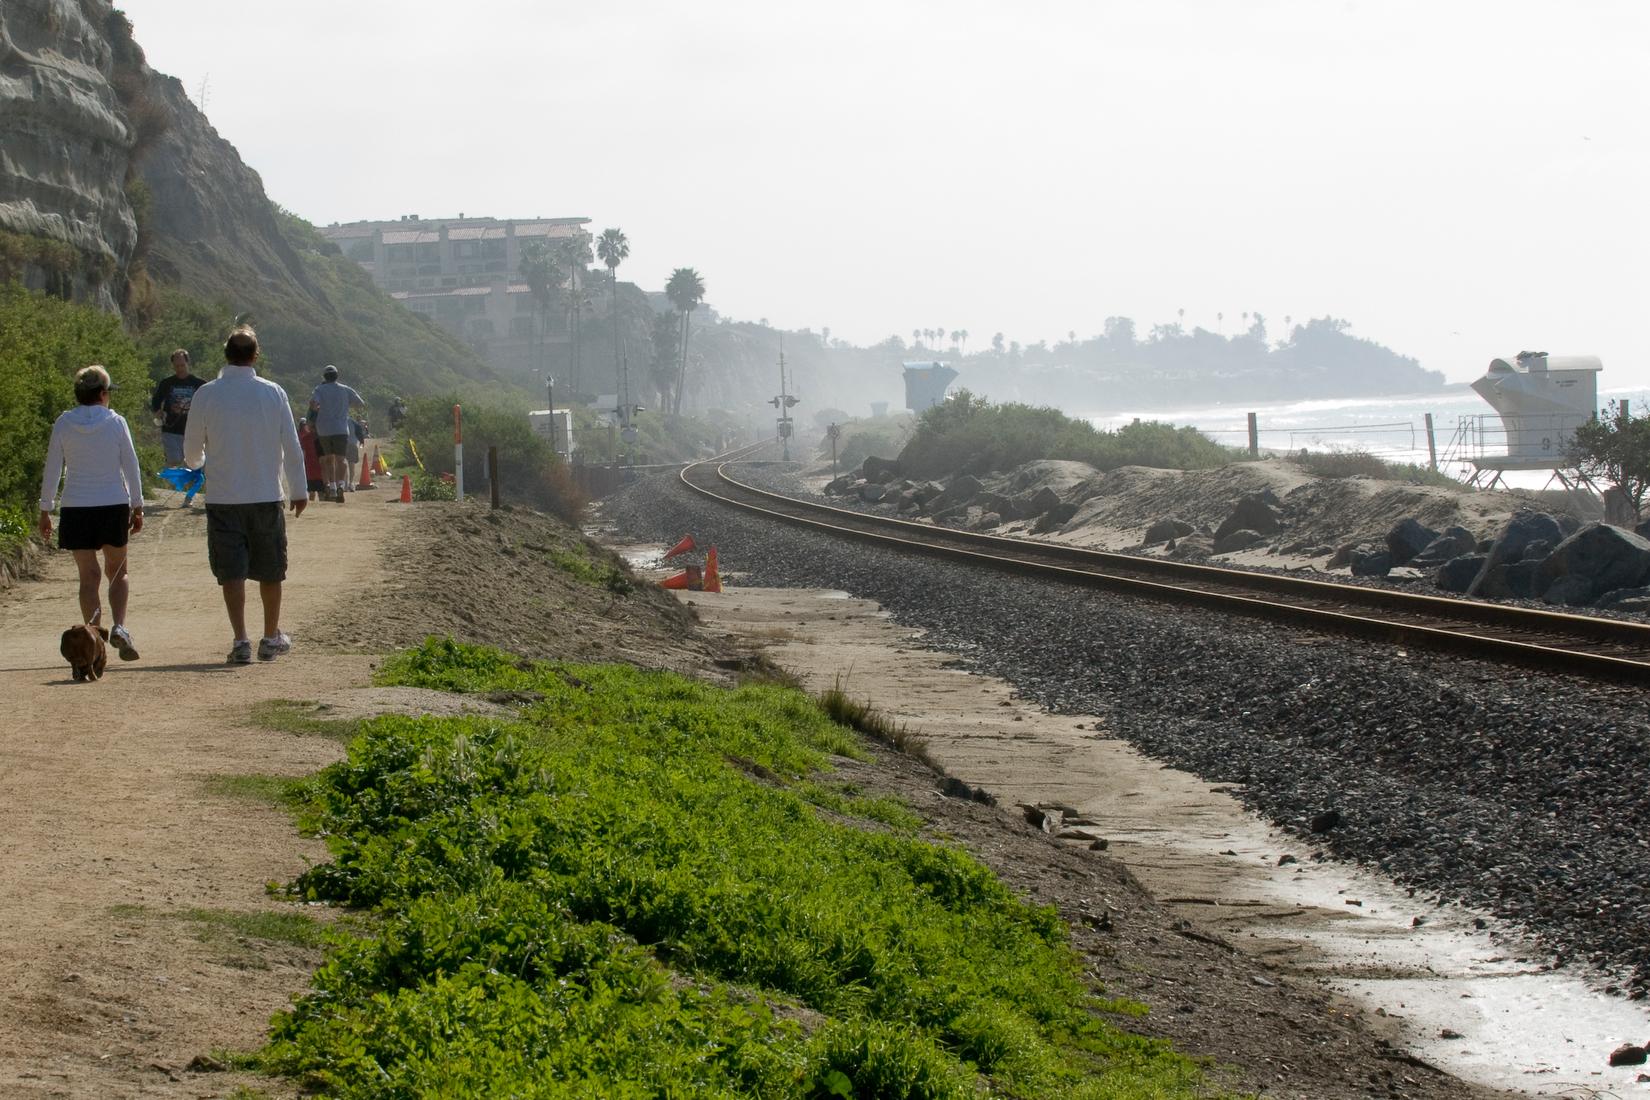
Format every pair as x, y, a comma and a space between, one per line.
925, 384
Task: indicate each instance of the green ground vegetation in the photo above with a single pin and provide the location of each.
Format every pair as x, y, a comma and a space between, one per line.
304, 718
634, 890
969, 434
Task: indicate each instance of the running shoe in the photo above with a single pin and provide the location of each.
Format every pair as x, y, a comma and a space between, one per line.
241, 654
123, 643
271, 648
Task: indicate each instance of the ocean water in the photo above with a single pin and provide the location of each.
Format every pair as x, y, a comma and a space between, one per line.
1392, 428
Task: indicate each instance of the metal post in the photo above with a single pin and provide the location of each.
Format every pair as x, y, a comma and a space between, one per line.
1432, 445
550, 395
1254, 437
613, 444
458, 452
492, 475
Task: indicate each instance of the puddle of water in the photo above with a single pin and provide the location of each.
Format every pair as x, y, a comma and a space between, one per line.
1517, 1023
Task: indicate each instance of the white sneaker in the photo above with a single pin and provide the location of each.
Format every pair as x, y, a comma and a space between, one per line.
271, 648
122, 640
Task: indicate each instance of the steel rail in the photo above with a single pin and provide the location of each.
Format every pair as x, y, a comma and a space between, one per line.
1446, 623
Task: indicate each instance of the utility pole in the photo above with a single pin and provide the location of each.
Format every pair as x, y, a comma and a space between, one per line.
784, 402
833, 433
550, 395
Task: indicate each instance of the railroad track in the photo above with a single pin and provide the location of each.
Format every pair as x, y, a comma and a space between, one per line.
1597, 647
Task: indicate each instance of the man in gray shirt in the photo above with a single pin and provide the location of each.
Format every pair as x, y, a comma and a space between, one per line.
331, 402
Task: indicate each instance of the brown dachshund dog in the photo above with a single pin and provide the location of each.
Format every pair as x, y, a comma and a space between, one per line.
83, 647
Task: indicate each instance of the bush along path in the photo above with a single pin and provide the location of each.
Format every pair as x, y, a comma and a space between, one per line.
642, 886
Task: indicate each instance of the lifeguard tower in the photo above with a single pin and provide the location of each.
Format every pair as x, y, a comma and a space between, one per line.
1539, 400
925, 385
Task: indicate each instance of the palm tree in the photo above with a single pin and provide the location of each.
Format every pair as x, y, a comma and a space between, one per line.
916, 338
963, 347
613, 249
685, 291
541, 274
573, 256
1181, 313
1220, 323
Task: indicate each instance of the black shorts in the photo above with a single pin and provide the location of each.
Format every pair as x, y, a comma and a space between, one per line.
246, 541
332, 444
316, 485
94, 528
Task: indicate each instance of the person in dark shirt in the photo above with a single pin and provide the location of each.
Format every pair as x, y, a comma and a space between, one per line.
171, 399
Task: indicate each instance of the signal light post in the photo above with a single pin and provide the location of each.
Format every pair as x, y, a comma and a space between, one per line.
784, 402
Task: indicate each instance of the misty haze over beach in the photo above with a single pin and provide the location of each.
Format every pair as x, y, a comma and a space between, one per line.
1458, 181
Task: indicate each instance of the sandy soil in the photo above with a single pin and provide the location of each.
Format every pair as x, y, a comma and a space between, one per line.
118, 824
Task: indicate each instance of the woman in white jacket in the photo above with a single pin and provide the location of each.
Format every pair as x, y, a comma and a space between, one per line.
102, 498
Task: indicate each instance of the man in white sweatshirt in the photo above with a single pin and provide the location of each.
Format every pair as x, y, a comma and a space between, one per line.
241, 428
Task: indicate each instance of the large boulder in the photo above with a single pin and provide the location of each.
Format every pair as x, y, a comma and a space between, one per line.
1241, 539
962, 490
1623, 599
872, 493
1191, 548
1407, 539
1254, 512
1006, 507
1457, 574
1055, 518
926, 491
1042, 500
838, 486
1571, 591
1606, 557
1518, 580
1454, 542
879, 469
1165, 529
1369, 560
1509, 546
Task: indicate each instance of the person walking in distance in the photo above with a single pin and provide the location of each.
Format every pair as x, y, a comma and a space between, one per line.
241, 427
331, 402
171, 400
312, 459
102, 500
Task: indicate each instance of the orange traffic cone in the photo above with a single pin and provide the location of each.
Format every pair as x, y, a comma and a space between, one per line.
379, 466
682, 547
366, 476
688, 578
406, 489
713, 579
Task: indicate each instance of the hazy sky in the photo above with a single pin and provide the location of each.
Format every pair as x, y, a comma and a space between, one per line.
1460, 180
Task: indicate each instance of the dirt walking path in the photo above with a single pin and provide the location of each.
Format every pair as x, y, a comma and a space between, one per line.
125, 849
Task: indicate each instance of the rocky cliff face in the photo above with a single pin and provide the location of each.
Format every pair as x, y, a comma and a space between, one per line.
102, 154
211, 224
65, 144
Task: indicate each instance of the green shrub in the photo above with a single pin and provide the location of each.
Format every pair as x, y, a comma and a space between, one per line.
425, 487
596, 899
967, 434
529, 471
1357, 463
16, 524
43, 341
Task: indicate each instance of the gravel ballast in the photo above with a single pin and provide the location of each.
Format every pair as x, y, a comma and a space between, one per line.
1522, 794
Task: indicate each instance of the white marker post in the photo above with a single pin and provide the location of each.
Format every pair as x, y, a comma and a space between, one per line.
458, 452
